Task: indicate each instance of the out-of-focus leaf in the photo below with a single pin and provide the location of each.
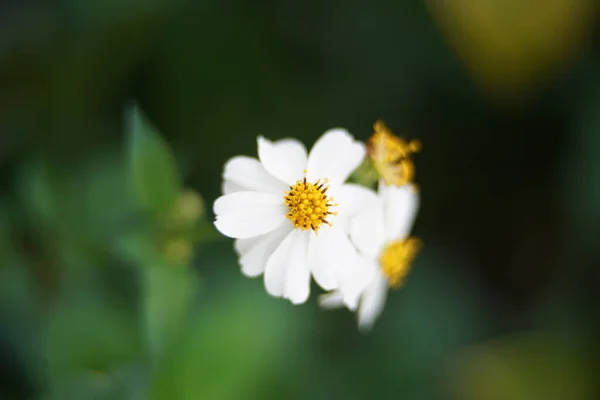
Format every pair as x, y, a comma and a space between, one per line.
90, 337
154, 176
103, 184
16, 288
58, 198
235, 349
168, 294
127, 383
76, 214
138, 247
17, 293
46, 194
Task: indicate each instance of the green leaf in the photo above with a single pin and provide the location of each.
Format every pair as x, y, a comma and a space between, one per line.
169, 292
90, 335
154, 174
235, 348
365, 174
138, 246
122, 382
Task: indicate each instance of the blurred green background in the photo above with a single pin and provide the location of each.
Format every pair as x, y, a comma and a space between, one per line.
113, 284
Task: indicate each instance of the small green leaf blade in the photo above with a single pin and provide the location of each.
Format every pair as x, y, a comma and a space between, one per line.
154, 175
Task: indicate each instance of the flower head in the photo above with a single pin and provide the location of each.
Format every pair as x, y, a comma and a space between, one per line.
309, 205
381, 234
391, 155
281, 209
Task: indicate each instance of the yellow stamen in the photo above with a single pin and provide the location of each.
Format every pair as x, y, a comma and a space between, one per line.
309, 204
391, 155
396, 259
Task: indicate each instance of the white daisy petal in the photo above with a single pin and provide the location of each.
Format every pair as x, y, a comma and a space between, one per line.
249, 174
284, 159
331, 300
257, 250
335, 155
367, 230
229, 187
297, 277
242, 246
353, 286
331, 255
372, 302
400, 209
244, 225
246, 214
255, 213
275, 270
245, 201
352, 199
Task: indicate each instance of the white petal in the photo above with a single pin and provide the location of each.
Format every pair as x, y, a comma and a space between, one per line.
331, 256
354, 198
284, 159
276, 269
334, 156
229, 187
400, 209
351, 200
246, 201
358, 281
257, 250
331, 300
372, 302
367, 230
241, 226
249, 174
246, 214
242, 246
297, 275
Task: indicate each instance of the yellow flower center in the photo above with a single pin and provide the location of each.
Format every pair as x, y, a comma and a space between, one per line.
309, 205
396, 259
391, 155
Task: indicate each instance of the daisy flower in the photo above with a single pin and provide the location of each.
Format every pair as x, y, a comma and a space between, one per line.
290, 212
381, 234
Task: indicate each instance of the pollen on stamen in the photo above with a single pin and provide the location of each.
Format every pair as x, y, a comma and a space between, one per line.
308, 204
396, 259
391, 155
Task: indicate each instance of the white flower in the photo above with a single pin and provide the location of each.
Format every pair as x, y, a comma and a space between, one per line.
381, 234
282, 212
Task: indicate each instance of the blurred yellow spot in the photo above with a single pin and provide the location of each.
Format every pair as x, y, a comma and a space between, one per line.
396, 259
391, 155
189, 206
178, 251
309, 204
524, 367
178, 223
509, 45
